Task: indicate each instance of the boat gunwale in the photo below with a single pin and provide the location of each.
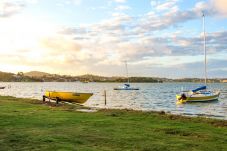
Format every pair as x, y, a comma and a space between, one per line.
67, 92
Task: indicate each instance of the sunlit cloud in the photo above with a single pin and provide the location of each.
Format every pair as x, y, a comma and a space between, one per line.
166, 5
220, 6
154, 41
8, 9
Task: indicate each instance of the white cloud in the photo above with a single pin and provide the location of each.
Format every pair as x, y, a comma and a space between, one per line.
220, 6
120, 1
69, 2
153, 3
8, 9
122, 8
14, 7
102, 46
76, 2
32, 1
166, 5
58, 43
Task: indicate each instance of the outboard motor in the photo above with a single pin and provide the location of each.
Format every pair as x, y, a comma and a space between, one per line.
183, 97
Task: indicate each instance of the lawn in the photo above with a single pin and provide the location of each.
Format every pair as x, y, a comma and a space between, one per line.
27, 124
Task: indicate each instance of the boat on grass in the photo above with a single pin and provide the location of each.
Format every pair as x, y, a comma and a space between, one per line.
201, 94
73, 97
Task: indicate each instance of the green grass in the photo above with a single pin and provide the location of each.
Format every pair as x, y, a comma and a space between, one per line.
27, 124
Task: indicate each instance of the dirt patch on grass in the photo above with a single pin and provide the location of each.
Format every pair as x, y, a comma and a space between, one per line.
178, 132
219, 123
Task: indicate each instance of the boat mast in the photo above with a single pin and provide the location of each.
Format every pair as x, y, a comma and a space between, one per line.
126, 66
204, 48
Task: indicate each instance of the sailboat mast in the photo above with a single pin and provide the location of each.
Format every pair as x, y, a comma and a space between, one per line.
204, 48
126, 66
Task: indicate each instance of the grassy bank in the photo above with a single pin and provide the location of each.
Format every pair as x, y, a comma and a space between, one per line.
27, 124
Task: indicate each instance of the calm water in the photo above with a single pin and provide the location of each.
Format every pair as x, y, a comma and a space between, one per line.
151, 96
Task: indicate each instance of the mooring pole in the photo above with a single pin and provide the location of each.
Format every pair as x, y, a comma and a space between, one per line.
44, 98
105, 96
49, 96
57, 100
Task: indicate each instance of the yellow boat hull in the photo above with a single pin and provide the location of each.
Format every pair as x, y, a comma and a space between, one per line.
197, 98
68, 96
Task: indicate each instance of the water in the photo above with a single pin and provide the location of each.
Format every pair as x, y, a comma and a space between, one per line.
150, 97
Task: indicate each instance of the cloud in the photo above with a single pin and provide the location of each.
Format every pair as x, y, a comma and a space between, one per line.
76, 2
115, 43
220, 6
8, 9
59, 44
101, 47
32, 1
172, 16
125, 37
122, 8
166, 5
120, 1
215, 67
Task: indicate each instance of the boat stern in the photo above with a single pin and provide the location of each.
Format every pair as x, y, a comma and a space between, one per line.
181, 98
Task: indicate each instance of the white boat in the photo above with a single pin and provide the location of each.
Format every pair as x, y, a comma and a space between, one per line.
201, 94
127, 85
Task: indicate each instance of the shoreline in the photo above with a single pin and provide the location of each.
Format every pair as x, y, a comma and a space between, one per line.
77, 107
208, 116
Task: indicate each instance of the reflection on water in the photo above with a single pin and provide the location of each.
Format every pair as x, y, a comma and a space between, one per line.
151, 96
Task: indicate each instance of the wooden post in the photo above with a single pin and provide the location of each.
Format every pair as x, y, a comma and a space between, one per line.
105, 96
57, 100
44, 98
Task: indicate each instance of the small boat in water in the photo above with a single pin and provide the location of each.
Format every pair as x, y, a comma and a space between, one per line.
73, 97
126, 86
197, 95
201, 94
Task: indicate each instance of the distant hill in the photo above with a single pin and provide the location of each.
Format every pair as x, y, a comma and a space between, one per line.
37, 74
11, 77
7, 77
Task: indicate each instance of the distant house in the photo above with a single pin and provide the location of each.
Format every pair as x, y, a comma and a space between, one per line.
224, 81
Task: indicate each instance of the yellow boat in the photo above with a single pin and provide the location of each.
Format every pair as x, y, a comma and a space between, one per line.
68, 96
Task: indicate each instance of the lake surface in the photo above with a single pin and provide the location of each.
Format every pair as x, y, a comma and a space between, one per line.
150, 97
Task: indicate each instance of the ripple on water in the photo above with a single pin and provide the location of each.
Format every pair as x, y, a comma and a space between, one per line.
151, 96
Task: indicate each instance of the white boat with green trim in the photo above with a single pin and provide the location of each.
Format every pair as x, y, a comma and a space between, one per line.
198, 95
201, 94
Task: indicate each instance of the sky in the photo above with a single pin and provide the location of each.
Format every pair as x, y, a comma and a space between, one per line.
158, 38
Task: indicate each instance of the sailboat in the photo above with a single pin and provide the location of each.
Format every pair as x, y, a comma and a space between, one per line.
201, 94
127, 85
